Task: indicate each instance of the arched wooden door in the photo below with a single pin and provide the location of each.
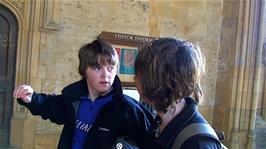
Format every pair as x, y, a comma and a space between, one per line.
8, 46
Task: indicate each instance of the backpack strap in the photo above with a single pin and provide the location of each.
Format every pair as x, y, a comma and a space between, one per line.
192, 130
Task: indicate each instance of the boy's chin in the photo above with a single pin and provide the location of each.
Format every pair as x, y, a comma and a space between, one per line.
105, 90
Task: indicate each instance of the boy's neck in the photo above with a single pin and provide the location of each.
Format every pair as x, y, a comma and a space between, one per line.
171, 113
93, 96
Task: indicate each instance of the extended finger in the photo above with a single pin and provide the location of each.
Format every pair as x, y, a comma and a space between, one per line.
16, 92
28, 91
19, 91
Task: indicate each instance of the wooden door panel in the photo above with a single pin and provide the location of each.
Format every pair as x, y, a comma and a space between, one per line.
3, 68
8, 42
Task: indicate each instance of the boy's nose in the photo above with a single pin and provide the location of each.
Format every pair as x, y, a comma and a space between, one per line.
104, 72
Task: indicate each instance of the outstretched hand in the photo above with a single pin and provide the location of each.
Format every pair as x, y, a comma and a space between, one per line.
23, 92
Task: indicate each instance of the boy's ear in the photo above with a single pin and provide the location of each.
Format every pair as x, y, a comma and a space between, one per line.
117, 69
116, 72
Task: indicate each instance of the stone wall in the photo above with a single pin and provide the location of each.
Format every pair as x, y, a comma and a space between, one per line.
61, 27
80, 22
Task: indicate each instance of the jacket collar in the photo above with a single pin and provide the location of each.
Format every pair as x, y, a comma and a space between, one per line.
80, 88
167, 137
117, 88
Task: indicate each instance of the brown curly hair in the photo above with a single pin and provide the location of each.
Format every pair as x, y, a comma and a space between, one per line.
169, 70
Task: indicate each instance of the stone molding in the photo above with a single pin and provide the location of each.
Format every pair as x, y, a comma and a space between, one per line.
48, 21
19, 4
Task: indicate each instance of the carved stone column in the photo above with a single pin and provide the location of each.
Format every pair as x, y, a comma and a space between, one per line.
247, 67
257, 86
239, 84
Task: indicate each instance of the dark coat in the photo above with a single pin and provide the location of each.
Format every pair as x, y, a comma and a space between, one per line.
188, 115
123, 116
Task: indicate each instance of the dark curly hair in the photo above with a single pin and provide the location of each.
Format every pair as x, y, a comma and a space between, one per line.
169, 70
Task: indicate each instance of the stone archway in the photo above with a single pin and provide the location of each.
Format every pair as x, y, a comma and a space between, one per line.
22, 49
33, 17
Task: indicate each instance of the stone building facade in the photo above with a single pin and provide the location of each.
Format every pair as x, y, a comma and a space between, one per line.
230, 33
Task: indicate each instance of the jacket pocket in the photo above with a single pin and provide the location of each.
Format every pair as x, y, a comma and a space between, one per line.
106, 137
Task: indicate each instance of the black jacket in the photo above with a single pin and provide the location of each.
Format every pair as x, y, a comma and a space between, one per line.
188, 115
123, 116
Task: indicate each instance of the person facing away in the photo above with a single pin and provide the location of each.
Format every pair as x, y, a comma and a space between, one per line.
167, 75
93, 110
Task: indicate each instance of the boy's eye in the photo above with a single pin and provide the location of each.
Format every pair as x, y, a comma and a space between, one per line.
97, 68
110, 68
